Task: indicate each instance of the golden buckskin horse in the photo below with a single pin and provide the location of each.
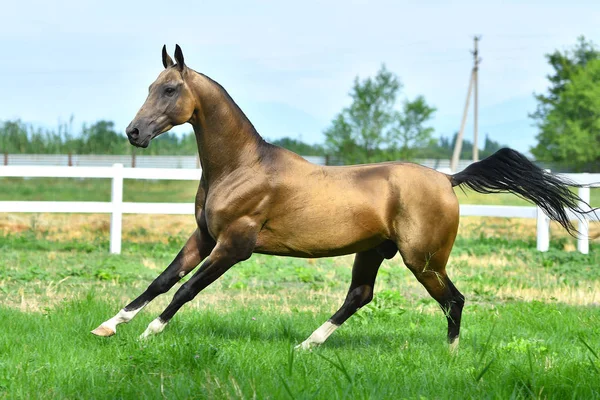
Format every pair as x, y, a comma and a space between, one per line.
254, 197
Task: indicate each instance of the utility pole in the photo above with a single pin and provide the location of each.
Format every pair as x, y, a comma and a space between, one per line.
459, 137
476, 61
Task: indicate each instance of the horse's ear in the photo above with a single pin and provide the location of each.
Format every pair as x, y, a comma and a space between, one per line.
166, 58
179, 58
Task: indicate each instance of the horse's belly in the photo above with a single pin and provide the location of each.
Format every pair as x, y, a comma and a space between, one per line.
322, 236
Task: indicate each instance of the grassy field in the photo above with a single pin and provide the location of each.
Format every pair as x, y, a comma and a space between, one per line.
531, 326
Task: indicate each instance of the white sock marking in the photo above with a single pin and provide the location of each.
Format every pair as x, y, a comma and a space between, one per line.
156, 326
319, 336
454, 346
121, 318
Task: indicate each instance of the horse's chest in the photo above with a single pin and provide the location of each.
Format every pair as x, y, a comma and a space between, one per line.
219, 213
215, 221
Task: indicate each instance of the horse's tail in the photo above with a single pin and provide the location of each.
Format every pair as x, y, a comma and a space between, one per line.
510, 171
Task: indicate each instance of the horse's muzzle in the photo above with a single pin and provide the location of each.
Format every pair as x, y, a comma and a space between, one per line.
136, 138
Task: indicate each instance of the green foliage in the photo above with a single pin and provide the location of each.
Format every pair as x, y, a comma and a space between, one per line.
568, 116
100, 137
444, 147
300, 147
409, 132
371, 129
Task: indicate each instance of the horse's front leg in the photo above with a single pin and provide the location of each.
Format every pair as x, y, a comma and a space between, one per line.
233, 246
198, 246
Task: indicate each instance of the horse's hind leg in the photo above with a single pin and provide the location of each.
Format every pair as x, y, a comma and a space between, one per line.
364, 271
194, 251
430, 270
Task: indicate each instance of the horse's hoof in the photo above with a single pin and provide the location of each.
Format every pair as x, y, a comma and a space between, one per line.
103, 331
305, 346
453, 347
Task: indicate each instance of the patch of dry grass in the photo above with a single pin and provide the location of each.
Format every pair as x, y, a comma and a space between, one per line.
158, 228
514, 228
464, 268
136, 228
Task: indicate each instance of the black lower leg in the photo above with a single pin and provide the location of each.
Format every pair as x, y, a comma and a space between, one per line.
355, 299
207, 274
453, 308
364, 272
160, 285
196, 248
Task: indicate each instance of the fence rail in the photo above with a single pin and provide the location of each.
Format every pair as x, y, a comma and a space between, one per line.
116, 207
183, 162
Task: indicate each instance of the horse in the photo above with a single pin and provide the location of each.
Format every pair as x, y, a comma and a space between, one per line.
254, 197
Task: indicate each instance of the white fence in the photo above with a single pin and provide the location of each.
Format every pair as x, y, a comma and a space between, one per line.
116, 207
142, 161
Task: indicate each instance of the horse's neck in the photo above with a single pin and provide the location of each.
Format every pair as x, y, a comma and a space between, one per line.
226, 139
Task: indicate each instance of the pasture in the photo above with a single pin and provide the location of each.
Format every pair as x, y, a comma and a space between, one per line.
531, 324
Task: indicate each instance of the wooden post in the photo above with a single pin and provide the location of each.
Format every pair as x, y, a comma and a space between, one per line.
5, 158
70, 160
133, 157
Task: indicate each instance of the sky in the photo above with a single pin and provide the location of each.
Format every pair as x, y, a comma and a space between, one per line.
288, 65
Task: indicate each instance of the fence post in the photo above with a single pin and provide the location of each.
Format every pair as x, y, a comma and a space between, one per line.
543, 231
5, 158
583, 226
116, 217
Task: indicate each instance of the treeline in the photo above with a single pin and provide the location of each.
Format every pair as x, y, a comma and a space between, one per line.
17, 137
98, 138
438, 149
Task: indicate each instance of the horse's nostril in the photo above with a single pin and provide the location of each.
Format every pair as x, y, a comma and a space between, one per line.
134, 133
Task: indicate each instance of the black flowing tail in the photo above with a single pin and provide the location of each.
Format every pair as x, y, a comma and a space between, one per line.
510, 171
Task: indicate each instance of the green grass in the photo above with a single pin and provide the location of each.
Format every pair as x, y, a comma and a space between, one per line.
66, 189
73, 189
235, 340
523, 350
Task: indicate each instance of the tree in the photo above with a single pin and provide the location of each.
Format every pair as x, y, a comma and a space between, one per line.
101, 138
570, 133
568, 117
13, 137
409, 133
491, 146
371, 129
300, 147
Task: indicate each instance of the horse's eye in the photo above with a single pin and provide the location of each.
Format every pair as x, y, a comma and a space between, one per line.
170, 91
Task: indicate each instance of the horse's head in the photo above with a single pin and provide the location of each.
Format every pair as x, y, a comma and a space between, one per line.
170, 102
